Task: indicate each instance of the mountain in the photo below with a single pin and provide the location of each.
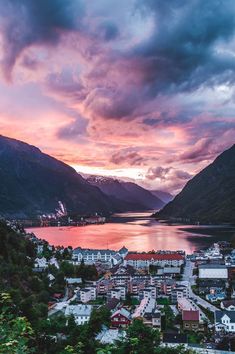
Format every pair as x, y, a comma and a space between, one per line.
209, 196
33, 183
135, 197
164, 196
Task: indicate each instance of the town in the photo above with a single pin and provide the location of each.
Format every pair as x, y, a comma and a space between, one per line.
188, 298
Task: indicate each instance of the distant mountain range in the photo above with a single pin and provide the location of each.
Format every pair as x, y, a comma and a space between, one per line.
33, 183
164, 196
209, 196
129, 193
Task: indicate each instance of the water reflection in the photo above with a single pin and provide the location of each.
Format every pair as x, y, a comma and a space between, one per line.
137, 231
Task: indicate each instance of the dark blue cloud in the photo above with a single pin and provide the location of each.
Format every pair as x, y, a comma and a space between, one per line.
27, 22
182, 52
108, 31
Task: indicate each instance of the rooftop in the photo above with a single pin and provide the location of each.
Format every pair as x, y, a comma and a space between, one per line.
154, 256
190, 315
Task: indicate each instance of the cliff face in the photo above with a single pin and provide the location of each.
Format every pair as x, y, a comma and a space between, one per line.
209, 196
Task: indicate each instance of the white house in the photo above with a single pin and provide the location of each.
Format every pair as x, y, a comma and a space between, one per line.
88, 294
81, 313
213, 271
225, 321
118, 292
40, 263
53, 261
149, 291
90, 256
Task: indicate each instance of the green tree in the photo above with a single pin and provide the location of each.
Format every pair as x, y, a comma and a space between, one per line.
15, 332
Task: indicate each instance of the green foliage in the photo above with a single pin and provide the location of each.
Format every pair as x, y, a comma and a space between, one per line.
15, 332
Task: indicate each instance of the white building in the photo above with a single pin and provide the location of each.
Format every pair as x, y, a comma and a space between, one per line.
213, 271
118, 292
81, 313
90, 256
53, 261
149, 291
88, 294
40, 263
225, 321
179, 292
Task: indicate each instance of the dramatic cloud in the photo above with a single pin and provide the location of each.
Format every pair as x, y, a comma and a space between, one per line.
141, 89
26, 22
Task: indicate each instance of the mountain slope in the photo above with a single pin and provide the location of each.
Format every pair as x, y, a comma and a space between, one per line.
209, 196
164, 196
135, 197
33, 183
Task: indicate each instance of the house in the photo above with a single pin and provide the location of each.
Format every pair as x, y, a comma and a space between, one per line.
112, 304
135, 286
146, 305
153, 319
40, 263
53, 261
144, 260
167, 286
117, 293
190, 320
40, 248
225, 321
123, 252
81, 313
121, 318
51, 278
186, 305
213, 271
73, 281
228, 305
110, 336
179, 292
91, 256
150, 291
116, 259
88, 294
104, 286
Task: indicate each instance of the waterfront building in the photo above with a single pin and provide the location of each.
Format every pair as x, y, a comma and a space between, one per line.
91, 256
144, 260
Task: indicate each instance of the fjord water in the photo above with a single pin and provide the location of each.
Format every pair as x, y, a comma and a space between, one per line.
138, 232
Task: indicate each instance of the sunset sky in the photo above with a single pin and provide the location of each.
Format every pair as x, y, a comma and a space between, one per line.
142, 89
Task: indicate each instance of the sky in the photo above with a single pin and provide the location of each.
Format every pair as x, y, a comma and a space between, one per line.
138, 89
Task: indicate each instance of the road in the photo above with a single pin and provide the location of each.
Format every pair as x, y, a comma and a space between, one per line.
188, 276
